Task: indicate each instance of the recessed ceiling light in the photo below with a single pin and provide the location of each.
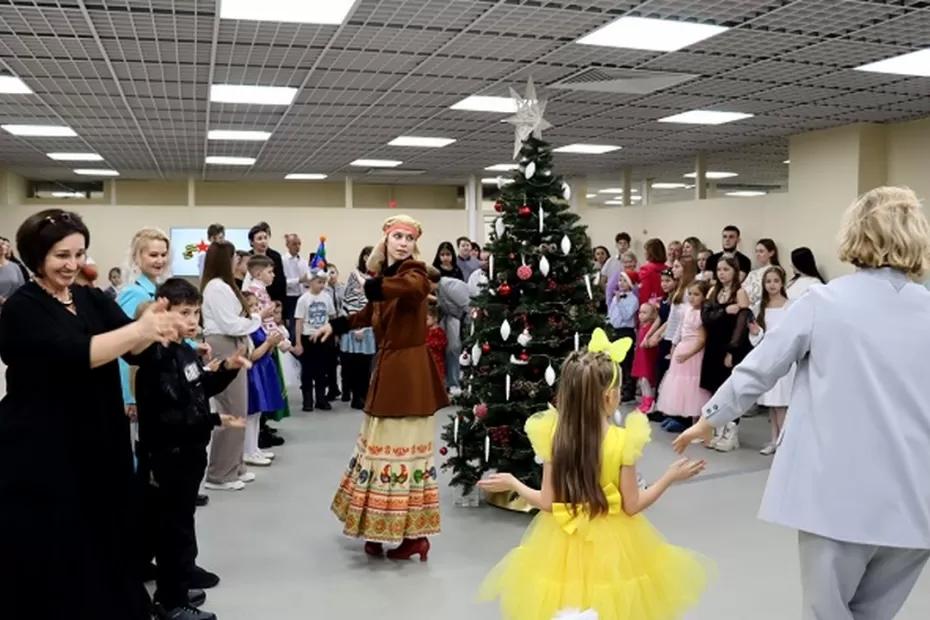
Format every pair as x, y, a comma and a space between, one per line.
236, 134
613, 202
223, 160
75, 157
376, 163
745, 193
259, 95
305, 176
495, 181
705, 117
643, 33
97, 172
913, 63
10, 85
58, 131
787, 161
483, 103
635, 198
590, 195
68, 195
428, 143
712, 175
611, 190
502, 167
668, 186
295, 11
589, 149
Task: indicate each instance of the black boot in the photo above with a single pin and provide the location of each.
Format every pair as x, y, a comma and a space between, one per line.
308, 402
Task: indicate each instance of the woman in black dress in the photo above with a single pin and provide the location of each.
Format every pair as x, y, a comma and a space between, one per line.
67, 515
726, 319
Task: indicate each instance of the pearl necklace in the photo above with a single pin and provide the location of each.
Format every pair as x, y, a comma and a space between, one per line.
64, 302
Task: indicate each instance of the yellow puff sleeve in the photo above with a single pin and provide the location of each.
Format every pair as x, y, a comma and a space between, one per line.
540, 428
637, 435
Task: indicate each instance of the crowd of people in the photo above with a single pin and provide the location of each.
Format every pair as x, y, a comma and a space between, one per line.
123, 401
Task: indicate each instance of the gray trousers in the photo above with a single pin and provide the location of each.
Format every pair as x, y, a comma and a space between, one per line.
849, 581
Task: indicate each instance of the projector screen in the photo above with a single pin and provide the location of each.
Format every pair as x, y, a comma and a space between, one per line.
189, 246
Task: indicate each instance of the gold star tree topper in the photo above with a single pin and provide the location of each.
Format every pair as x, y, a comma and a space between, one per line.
529, 117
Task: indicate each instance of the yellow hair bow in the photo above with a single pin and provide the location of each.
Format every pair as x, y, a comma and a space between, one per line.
617, 349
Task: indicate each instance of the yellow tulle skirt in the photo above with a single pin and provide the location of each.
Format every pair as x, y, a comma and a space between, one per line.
618, 565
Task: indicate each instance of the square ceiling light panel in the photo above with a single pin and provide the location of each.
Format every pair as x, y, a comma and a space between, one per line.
643, 33
705, 117
75, 156
588, 149
427, 143
305, 176
258, 95
484, 103
11, 85
914, 63
376, 163
222, 160
43, 131
294, 11
238, 135
97, 172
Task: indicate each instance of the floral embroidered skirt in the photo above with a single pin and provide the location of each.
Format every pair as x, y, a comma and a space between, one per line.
389, 491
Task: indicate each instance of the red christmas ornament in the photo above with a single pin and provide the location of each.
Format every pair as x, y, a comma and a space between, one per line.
443, 451
524, 356
524, 211
480, 411
512, 256
499, 206
504, 290
551, 285
524, 272
486, 347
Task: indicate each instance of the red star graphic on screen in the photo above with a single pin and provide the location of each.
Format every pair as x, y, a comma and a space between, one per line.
203, 247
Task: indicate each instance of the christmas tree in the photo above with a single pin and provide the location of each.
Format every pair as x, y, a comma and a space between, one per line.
540, 304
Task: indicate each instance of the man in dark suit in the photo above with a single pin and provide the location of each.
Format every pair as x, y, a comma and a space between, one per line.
731, 239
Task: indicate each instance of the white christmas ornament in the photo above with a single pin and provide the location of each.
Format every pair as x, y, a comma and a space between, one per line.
505, 330
550, 375
529, 117
499, 227
455, 430
566, 244
530, 170
491, 267
517, 361
542, 217
538, 460
501, 182
487, 448
544, 266
465, 360
566, 191
587, 285
476, 354
524, 338
507, 387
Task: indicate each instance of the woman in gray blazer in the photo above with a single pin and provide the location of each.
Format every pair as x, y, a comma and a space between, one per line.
851, 471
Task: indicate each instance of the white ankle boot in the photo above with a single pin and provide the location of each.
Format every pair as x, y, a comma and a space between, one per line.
729, 441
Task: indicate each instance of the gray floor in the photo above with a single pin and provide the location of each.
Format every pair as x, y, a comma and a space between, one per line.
281, 555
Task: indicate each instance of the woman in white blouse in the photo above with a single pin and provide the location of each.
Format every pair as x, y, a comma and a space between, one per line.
226, 326
766, 256
806, 273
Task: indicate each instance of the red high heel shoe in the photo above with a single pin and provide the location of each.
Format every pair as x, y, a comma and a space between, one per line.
409, 548
374, 549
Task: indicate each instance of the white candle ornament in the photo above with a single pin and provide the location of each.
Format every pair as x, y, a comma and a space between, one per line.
487, 448
490, 268
587, 285
455, 430
507, 387
576, 341
542, 217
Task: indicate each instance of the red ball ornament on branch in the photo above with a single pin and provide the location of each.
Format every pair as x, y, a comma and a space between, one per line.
443, 451
499, 206
524, 211
524, 356
524, 272
486, 347
551, 285
480, 411
504, 290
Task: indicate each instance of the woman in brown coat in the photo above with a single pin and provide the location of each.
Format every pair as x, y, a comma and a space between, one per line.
390, 492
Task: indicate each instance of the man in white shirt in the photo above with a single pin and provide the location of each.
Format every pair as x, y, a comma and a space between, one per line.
614, 265
297, 276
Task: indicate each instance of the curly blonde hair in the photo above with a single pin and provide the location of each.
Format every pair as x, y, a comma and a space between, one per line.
886, 227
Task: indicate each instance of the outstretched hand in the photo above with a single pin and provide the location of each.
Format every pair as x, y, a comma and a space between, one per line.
498, 483
700, 430
683, 469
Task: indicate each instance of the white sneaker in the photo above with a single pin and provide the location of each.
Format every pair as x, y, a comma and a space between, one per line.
256, 460
267, 454
247, 477
235, 485
729, 441
712, 444
768, 449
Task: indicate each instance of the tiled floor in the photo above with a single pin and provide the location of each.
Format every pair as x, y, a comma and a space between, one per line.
282, 557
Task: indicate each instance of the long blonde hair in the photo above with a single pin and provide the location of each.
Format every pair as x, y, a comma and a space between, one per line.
886, 227
377, 260
140, 240
576, 449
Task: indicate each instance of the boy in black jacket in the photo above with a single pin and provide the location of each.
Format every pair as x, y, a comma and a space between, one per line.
173, 388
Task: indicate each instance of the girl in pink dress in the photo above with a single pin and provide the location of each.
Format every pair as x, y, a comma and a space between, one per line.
644, 361
681, 394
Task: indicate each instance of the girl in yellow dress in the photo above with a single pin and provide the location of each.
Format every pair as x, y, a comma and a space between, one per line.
590, 547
